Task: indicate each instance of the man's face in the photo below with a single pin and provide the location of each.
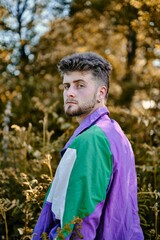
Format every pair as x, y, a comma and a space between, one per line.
80, 93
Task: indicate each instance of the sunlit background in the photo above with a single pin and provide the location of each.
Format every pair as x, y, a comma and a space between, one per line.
34, 36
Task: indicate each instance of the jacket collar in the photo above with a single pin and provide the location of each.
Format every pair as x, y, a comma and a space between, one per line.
86, 123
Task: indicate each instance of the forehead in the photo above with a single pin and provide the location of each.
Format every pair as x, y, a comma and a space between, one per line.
78, 76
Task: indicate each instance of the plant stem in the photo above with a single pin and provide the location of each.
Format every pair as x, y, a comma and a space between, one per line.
6, 226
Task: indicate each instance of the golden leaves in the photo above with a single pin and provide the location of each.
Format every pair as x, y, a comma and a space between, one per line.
136, 3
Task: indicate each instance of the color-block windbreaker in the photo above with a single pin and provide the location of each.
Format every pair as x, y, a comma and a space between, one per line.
95, 181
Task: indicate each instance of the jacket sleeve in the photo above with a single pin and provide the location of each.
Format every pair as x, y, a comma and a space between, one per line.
89, 178
80, 184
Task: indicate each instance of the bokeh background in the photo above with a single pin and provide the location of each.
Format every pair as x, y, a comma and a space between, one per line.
34, 36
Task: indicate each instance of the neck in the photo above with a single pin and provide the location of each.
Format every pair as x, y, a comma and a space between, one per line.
80, 118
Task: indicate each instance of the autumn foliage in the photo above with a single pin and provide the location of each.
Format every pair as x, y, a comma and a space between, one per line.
33, 127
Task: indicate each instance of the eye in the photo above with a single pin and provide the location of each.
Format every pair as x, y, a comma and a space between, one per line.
65, 86
80, 85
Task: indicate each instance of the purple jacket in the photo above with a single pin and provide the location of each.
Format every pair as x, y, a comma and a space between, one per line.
96, 181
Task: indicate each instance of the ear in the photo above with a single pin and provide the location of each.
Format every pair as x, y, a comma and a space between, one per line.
102, 91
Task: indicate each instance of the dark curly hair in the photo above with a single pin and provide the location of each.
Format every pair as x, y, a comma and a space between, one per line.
87, 61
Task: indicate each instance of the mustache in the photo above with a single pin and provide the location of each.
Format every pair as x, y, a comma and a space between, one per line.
70, 100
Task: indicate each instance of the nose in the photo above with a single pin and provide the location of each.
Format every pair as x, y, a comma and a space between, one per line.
70, 92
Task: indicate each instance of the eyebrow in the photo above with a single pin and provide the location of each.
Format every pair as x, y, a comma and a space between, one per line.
75, 81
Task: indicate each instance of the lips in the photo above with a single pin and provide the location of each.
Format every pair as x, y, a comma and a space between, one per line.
69, 101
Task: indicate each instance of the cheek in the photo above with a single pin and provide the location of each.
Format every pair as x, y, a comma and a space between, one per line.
64, 94
87, 98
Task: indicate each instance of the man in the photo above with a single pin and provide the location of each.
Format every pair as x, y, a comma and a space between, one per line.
96, 178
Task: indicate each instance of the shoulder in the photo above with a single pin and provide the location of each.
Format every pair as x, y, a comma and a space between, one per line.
94, 136
91, 133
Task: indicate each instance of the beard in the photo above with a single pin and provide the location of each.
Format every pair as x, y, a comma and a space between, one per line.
83, 108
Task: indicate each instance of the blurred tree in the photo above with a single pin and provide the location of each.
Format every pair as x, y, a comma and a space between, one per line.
22, 23
96, 5
127, 34
138, 23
